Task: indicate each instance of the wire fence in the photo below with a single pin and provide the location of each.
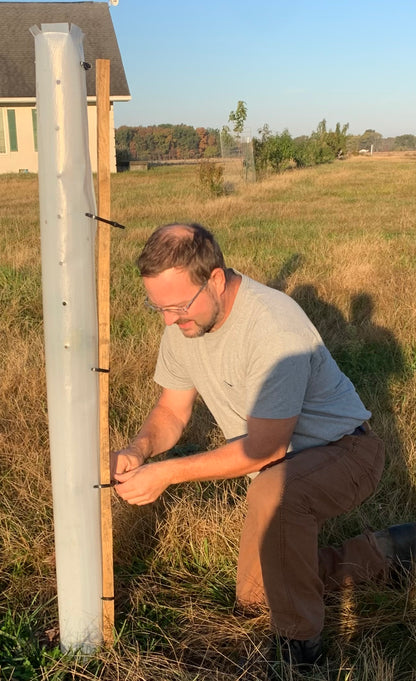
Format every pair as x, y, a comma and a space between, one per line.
238, 148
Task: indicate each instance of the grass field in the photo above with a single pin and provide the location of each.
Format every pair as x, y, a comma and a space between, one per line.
341, 240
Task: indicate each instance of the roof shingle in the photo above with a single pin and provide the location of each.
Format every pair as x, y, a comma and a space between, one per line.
17, 47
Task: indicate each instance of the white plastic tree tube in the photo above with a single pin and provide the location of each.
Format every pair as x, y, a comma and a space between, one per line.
66, 194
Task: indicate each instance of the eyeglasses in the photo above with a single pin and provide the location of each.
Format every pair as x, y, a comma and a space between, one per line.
172, 308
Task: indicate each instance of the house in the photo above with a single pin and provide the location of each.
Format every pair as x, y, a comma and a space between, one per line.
18, 121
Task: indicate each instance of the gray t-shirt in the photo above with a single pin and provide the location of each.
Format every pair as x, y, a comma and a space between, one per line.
268, 361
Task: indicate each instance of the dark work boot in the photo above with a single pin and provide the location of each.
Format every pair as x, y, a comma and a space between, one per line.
398, 544
302, 654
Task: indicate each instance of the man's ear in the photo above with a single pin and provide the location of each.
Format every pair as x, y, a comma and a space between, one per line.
218, 279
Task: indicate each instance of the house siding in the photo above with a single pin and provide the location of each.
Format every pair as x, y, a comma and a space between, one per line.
20, 137
25, 159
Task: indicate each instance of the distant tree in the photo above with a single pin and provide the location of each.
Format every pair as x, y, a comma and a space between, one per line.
163, 139
260, 147
212, 151
166, 141
238, 117
279, 152
320, 149
303, 151
123, 137
386, 144
209, 142
228, 142
337, 140
353, 143
203, 140
370, 138
265, 132
186, 141
273, 152
405, 142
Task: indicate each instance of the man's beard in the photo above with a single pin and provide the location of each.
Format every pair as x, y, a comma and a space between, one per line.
201, 329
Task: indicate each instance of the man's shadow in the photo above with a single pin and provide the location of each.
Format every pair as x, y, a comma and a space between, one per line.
370, 355
373, 360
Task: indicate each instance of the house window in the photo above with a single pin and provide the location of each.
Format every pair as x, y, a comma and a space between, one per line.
11, 119
2, 134
35, 128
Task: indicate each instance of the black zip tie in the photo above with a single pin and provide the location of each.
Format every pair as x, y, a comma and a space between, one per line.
102, 371
113, 223
85, 65
104, 485
107, 598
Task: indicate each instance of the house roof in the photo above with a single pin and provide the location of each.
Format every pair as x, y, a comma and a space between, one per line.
17, 45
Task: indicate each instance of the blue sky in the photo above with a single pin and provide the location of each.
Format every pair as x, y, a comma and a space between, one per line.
294, 62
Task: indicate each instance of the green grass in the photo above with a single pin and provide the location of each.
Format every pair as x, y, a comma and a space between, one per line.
341, 240
22, 652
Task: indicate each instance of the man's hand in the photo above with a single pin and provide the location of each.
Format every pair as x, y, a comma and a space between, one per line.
125, 461
143, 484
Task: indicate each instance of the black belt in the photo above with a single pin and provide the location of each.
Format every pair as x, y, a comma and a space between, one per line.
362, 429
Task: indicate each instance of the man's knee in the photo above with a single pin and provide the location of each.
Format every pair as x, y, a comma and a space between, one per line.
266, 488
270, 492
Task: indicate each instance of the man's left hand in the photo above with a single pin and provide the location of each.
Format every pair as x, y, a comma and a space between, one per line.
143, 486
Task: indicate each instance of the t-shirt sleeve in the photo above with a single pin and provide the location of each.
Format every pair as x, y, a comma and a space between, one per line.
278, 371
171, 371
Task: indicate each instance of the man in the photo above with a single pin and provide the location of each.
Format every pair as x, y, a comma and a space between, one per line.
293, 421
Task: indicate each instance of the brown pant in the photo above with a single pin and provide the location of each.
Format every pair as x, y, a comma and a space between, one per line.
279, 559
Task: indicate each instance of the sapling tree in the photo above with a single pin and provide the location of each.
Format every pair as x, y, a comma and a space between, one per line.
238, 117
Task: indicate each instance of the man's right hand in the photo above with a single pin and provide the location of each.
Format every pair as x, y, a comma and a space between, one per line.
126, 460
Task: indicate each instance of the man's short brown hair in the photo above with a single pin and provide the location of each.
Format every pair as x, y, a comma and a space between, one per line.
191, 247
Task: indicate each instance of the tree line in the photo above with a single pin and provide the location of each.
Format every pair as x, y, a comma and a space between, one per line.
271, 151
166, 142
278, 152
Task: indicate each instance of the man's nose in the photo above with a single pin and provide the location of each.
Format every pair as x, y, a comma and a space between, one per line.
170, 317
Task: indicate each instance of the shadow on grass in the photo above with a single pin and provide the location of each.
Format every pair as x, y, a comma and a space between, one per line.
376, 615
374, 361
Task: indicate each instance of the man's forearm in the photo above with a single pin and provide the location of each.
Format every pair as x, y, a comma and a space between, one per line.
229, 461
267, 441
160, 431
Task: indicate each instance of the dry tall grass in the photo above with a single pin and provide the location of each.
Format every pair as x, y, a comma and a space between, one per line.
341, 240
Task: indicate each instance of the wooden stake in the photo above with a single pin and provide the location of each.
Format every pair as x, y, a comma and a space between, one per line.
103, 298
